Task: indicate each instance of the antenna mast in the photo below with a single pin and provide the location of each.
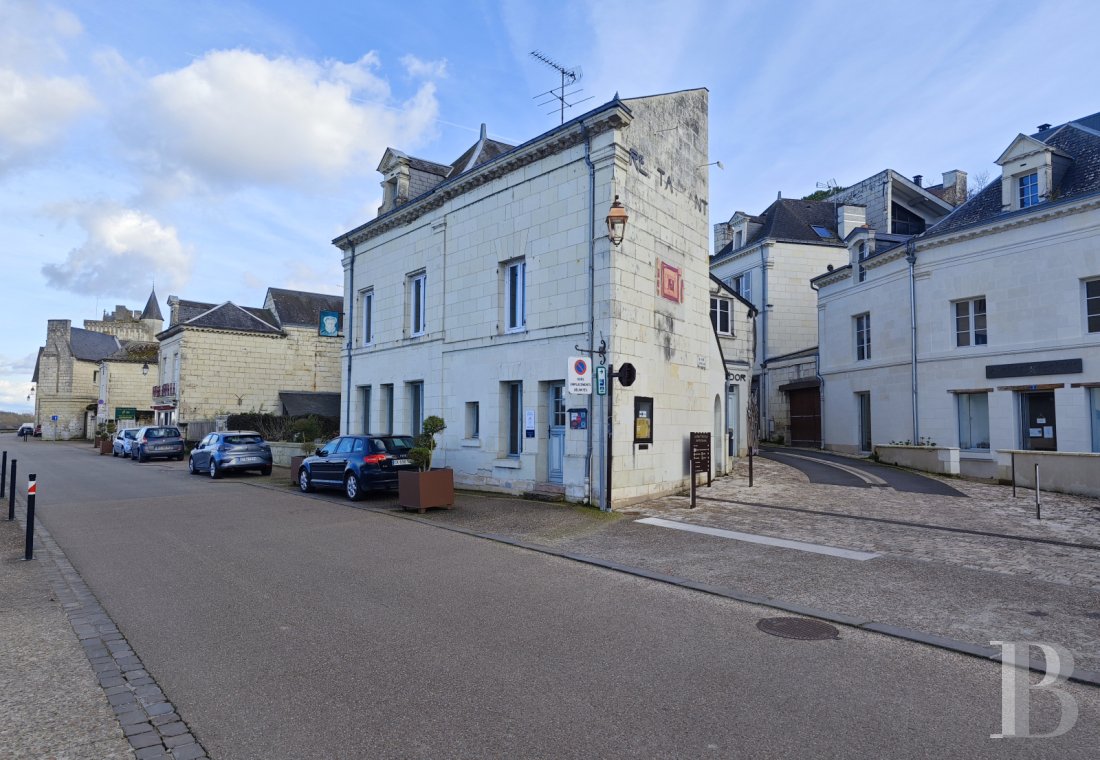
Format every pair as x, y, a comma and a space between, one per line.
560, 93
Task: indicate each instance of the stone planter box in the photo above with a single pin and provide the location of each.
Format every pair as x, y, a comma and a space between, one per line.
282, 452
943, 460
295, 463
426, 490
105, 446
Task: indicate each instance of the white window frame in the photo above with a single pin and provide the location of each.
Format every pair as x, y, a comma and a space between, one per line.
515, 296
742, 285
1028, 195
862, 324
970, 335
721, 308
965, 406
473, 420
418, 304
366, 306
1091, 304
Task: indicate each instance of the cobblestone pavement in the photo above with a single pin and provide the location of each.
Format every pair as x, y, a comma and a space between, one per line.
981, 532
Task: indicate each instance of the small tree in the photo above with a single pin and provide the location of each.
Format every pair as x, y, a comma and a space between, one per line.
421, 455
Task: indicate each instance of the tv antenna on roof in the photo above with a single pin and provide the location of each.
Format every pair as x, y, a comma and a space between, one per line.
563, 94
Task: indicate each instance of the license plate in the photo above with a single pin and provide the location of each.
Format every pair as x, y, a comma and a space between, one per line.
249, 459
401, 462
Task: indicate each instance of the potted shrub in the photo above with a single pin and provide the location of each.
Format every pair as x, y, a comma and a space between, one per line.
426, 488
106, 442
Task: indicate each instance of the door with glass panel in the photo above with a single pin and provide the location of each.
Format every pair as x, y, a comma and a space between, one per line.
556, 450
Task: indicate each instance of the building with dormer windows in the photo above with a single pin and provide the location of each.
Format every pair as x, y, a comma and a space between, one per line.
983, 332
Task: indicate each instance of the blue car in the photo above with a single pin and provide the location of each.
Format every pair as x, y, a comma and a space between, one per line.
229, 451
356, 464
156, 442
124, 440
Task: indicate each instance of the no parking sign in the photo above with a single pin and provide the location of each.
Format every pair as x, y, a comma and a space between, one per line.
579, 376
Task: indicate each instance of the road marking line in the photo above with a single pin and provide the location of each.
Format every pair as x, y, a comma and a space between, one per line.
866, 477
752, 538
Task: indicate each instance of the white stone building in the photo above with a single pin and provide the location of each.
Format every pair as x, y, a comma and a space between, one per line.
468, 300
770, 260
982, 333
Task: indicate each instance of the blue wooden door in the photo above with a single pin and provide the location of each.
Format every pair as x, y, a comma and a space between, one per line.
556, 449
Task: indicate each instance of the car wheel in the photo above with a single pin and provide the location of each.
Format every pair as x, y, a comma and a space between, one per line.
265, 470
215, 473
303, 481
135, 457
191, 466
351, 487
114, 453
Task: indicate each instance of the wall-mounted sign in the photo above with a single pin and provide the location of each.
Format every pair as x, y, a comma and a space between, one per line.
601, 380
671, 282
578, 419
529, 423
579, 377
643, 420
125, 413
329, 326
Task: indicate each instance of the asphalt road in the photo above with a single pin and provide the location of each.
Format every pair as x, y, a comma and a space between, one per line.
284, 626
832, 469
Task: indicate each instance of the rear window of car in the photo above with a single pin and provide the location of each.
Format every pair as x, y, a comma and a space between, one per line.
164, 432
397, 443
243, 439
129, 433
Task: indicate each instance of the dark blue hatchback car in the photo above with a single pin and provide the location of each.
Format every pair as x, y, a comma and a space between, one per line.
357, 463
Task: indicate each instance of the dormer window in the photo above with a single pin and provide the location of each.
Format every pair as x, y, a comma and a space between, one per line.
1029, 190
738, 238
862, 255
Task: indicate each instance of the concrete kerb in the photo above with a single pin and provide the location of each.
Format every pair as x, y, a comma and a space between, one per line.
1088, 677
140, 707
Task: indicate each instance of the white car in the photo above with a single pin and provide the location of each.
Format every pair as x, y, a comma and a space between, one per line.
27, 428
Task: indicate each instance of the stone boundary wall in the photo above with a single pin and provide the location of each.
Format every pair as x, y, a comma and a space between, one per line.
1062, 471
943, 460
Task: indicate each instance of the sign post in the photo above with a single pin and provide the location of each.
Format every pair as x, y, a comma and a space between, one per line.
700, 460
626, 375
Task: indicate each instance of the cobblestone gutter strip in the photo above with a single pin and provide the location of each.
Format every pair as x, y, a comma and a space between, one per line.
1089, 677
148, 720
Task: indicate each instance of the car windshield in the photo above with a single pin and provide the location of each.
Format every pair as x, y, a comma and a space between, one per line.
243, 439
163, 433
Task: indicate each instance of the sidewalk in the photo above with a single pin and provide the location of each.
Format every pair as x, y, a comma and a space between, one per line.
50, 700
971, 570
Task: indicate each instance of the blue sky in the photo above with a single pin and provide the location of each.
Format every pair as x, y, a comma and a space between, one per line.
217, 147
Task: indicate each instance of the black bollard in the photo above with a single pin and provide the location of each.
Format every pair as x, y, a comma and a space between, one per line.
11, 491
4, 474
32, 487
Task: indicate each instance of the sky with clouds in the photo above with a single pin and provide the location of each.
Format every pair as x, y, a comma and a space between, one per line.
214, 148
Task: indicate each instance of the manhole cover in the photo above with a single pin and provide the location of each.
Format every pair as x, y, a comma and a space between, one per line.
798, 628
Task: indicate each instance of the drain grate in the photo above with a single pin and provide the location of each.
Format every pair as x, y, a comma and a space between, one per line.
798, 628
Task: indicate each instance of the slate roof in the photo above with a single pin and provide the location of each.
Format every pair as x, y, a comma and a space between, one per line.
135, 351
300, 309
323, 404
477, 154
225, 316
791, 221
152, 310
1078, 139
91, 346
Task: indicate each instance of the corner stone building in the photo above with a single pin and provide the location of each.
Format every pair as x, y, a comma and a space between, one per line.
220, 359
69, 372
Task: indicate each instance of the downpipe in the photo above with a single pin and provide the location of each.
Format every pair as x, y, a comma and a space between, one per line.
911, 259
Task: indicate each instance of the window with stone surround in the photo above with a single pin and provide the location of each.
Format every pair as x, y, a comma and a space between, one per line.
970, 322
973, 421
720, 315
1028, 186
1094, 409
863, 336
416, 406
418, 307
515, 296
742, 285
512, 417
473, 420
1092, 305
861, 256
364, 406
387, 409
366, 308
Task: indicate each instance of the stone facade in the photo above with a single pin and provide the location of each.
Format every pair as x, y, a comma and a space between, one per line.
1026, 375
207, 369
497, 374
77, 368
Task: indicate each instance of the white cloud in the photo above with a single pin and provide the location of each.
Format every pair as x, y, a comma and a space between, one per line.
37, 104
235, 116
421, 69
124, 251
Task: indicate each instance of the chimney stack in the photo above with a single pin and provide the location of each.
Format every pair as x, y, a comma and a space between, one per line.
849, 217
918, 179
1044, 127
954, 186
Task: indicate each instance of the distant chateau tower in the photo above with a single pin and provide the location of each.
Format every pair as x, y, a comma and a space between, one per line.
151, 317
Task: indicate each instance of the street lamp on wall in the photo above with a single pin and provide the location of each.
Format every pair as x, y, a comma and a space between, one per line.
145, 368
616, 222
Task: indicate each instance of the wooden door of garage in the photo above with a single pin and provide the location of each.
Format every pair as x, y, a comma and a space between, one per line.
805, 417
